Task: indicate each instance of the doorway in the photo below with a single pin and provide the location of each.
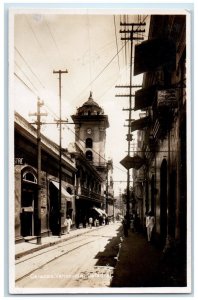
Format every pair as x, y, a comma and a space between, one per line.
163, 201
54, 209
172, 204
28, 203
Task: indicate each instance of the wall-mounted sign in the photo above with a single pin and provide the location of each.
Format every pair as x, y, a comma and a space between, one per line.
19, 161
167, 98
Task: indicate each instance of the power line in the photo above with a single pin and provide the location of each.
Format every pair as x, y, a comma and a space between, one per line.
82, 142
90, 54
99, 74
26, 76
53, 39
25, 83
27, 64
34, 34
53, 113
116, 41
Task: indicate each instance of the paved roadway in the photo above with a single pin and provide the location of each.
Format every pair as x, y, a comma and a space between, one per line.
84, 261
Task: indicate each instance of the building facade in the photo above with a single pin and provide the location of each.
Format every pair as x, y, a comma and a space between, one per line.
26, 188
90, 132
160, 184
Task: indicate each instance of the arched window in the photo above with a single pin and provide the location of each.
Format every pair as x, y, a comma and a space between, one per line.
89, 143
28, 176
89, 155
69, 190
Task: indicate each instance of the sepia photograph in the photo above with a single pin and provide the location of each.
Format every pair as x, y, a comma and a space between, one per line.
99, 151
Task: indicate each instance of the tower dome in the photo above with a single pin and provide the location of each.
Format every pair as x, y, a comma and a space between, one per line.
90, 107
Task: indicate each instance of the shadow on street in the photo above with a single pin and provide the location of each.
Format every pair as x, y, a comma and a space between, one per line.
109, 256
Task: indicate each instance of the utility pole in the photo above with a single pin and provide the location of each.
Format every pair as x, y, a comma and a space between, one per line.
60, 72
132, 36
38, 206
107, 188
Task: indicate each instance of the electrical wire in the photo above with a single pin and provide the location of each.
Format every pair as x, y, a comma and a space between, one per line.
82, 142
99, 74
26, 76
90, 54
27, 64
38, 42
25, 84
116, 41
53, 39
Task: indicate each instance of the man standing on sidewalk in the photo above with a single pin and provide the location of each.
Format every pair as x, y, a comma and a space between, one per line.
90, 222
68, 223
125, 226
150, 222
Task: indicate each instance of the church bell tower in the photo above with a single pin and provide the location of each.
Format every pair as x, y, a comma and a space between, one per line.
90, 133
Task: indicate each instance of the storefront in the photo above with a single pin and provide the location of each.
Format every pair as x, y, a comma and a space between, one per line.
26, 187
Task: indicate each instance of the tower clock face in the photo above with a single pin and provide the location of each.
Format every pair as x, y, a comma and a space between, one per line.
89, 131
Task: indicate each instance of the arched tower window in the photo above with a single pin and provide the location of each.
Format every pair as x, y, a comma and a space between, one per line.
89, 155
89, 143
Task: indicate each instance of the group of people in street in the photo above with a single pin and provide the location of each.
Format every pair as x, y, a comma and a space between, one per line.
133, 223
104, 220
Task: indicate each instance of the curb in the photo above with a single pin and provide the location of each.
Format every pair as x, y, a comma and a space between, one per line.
40, 247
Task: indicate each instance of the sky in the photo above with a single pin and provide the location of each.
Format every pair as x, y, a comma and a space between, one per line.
88, 45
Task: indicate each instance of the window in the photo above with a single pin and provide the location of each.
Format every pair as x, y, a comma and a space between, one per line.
89, 155
89, 143
69, 190
28, 176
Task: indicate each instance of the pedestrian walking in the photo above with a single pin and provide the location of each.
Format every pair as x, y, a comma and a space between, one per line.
125, 226
132, 221
68, 223
90, 222
150, 222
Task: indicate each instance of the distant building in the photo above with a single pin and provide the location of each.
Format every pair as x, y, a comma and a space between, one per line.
90, 132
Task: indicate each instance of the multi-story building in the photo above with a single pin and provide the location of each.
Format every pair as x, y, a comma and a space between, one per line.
26, 187
89, 150
161, 183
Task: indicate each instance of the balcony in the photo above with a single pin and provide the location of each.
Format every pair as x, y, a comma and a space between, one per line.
92, 195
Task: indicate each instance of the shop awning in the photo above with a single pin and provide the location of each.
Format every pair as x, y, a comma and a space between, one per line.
154, 53
140, 123
132, 162
145, 97
64, 193
100, 211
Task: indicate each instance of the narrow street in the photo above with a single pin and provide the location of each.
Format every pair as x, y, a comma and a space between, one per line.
102, 139
84, 261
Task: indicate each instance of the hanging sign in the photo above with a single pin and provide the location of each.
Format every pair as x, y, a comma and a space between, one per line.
167, 98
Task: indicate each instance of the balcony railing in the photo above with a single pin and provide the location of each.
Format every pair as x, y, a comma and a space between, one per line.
90, 194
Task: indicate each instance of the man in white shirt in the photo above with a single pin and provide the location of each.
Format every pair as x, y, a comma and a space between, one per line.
68, 223
150, 222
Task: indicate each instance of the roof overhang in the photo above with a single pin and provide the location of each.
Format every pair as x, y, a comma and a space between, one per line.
140, 123
154, 53
145, 97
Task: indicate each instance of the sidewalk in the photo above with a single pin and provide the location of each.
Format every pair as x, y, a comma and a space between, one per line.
141, 264
28, 247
